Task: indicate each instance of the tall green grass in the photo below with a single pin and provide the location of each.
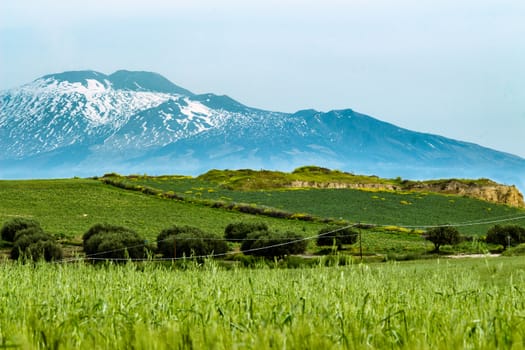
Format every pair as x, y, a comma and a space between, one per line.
441, 304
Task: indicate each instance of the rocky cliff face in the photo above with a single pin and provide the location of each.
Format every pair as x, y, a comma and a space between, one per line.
488, 190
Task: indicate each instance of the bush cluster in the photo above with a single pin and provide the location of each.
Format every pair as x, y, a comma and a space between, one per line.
110, 242
272, 244
30, 242
238, 231
336, 236
179, 241
12, 226
506, 235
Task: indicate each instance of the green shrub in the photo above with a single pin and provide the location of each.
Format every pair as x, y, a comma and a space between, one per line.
33, 230
36, 246
328, 236
238, 231
443, 235
179, 241
46, 250
109, 242
506, 235
11, 227
273, 244
102, 228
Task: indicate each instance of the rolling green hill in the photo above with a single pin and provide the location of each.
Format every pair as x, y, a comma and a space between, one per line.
69, 207
380, 206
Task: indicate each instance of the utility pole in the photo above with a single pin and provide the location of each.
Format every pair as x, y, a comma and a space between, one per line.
360, 242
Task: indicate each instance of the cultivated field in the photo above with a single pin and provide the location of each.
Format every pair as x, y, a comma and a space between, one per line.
438, 304
388, 208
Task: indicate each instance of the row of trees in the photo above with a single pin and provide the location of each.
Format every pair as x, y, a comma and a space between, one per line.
105, 241
504, 235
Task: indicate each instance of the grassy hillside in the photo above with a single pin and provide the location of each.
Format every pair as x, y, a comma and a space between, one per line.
390, 208
68, 207
71, 206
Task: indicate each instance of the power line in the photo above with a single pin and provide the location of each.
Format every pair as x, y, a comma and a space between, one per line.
285, 242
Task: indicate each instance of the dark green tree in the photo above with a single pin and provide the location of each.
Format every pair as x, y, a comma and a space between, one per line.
443, 235
238, 231
506, 235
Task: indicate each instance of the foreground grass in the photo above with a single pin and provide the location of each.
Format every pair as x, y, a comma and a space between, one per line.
441, 304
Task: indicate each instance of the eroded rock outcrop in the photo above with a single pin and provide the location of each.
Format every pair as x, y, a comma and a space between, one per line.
488, 191
485, 190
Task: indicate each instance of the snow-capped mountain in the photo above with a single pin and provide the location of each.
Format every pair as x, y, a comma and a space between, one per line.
87, 123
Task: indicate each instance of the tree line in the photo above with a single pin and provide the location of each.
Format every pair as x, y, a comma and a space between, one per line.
104, 241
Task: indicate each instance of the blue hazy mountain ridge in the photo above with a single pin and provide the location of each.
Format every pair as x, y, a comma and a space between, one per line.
140, 122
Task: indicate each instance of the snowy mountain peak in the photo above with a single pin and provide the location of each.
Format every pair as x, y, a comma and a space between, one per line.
141, 122
120, 80
145, 81
81, 77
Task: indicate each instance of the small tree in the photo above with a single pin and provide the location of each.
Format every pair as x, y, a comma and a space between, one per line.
179, 241
238, 231
506, 235
328, 236
442, 235
11, 227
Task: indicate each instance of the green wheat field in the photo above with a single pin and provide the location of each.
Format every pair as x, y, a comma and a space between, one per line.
429, 302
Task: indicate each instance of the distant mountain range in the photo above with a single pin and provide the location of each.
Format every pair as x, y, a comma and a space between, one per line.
85, 123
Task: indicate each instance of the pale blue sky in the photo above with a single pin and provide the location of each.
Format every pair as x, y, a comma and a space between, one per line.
454, 68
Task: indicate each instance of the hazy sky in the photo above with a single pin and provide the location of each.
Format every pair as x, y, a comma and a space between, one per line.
454, 68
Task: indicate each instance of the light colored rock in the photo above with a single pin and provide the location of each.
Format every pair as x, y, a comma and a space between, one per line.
490, 192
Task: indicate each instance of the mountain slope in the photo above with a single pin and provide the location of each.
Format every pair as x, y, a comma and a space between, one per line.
87, 122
